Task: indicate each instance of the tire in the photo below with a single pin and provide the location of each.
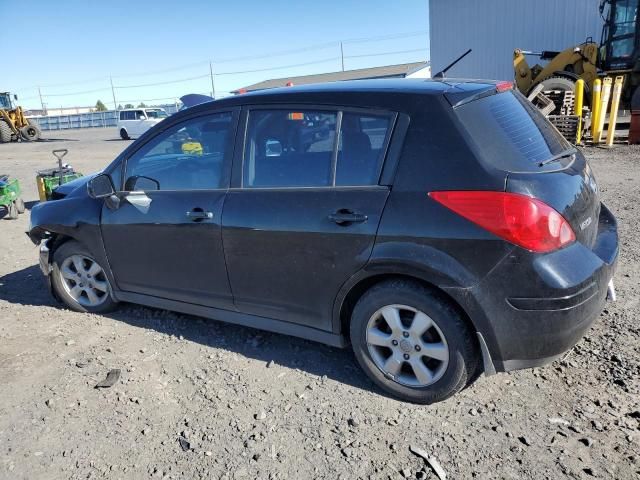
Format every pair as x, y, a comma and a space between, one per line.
31, 132
447, 336
6, 133
12, 211
123, 134
73, 266
20, 205
558, 83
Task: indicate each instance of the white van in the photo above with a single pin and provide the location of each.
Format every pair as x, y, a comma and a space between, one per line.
133, 122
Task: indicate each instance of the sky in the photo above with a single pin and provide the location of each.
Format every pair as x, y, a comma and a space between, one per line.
73, 49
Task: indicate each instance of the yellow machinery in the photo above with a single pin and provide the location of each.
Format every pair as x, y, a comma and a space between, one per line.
617, 54
562, 71
14, 125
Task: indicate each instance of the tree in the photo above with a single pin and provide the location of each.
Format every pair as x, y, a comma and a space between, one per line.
129, 105
142, 105
119, 106
100, 107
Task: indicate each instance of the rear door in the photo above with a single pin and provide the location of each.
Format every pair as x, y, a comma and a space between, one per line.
305, 209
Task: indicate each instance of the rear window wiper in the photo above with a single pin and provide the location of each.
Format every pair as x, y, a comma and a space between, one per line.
565, 153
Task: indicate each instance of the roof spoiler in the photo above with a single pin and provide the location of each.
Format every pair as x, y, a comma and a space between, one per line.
193, 99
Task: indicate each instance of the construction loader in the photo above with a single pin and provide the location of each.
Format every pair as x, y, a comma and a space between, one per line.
14, 125
617, 54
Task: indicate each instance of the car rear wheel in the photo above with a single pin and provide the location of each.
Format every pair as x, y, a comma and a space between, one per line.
79, 280
123, 134
412, 343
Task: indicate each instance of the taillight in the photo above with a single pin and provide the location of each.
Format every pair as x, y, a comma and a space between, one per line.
504, 86
525, 221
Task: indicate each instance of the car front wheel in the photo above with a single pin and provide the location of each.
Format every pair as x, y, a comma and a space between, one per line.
79, 280
412, 343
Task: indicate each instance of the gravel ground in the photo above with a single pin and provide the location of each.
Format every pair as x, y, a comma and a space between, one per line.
202, 399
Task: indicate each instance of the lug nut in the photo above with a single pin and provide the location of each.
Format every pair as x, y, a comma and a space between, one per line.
394, 343
418, 348
405, 334
406, 356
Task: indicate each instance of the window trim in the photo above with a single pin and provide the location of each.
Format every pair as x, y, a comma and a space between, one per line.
227, 162
237, 182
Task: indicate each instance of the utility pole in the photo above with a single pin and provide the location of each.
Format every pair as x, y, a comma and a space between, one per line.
342, 56
44, 111
213, 88
113, 92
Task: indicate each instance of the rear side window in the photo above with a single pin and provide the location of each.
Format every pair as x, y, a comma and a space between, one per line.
510, 133
286, 148
361, 149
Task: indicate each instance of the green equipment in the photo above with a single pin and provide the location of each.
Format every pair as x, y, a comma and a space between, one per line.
10, 196
48, 180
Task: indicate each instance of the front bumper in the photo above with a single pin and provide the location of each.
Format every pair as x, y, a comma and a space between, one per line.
45, 264
532, 308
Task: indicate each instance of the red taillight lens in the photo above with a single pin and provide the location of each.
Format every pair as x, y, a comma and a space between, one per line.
525, 221
503, 86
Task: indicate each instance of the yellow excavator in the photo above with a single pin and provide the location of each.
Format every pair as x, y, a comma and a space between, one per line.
14, 125
617, 54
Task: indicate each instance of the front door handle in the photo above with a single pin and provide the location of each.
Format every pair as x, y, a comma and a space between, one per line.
198, 214
347, 217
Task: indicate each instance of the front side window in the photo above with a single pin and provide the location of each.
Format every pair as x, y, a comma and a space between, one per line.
298, 148
188, 156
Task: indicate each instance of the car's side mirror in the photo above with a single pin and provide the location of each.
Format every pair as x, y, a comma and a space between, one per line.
101, 186
273, 148
141, 183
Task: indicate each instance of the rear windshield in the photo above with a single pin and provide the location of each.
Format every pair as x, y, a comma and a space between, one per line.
510, 133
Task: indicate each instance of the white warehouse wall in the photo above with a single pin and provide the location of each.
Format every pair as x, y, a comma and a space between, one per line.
494, 28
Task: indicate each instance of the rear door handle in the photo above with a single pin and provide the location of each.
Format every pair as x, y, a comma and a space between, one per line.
198, 214
347, 217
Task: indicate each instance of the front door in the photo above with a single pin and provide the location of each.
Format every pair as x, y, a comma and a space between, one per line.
304, 218
165, 239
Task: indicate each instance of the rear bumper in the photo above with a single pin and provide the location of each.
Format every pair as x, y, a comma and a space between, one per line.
532, 308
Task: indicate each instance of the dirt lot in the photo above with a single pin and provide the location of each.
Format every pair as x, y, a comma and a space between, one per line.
257, 405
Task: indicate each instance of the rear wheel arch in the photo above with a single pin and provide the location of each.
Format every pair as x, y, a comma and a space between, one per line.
350, 297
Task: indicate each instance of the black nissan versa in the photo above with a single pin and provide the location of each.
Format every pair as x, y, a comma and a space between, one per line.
442, 228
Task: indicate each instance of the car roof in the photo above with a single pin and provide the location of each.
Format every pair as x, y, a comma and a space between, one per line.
383, 93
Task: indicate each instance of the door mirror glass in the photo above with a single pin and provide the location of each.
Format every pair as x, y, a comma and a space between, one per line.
100, 186
141, 183
273, 148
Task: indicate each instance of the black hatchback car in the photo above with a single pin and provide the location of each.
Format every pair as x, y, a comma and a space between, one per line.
442, 228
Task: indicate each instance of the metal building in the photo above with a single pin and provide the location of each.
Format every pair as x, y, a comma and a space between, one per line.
494, 28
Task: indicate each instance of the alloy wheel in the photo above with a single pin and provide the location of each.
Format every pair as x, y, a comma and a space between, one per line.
407, 345
84, 280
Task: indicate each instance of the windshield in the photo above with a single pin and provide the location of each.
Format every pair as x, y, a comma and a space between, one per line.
156, 113
510, 132
5, 102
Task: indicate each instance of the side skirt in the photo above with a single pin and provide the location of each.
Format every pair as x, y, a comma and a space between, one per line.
237, 318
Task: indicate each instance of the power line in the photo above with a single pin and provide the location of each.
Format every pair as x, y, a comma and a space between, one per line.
74, 93
387, 37
160, 83
333, 59
385, 53
308, 48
